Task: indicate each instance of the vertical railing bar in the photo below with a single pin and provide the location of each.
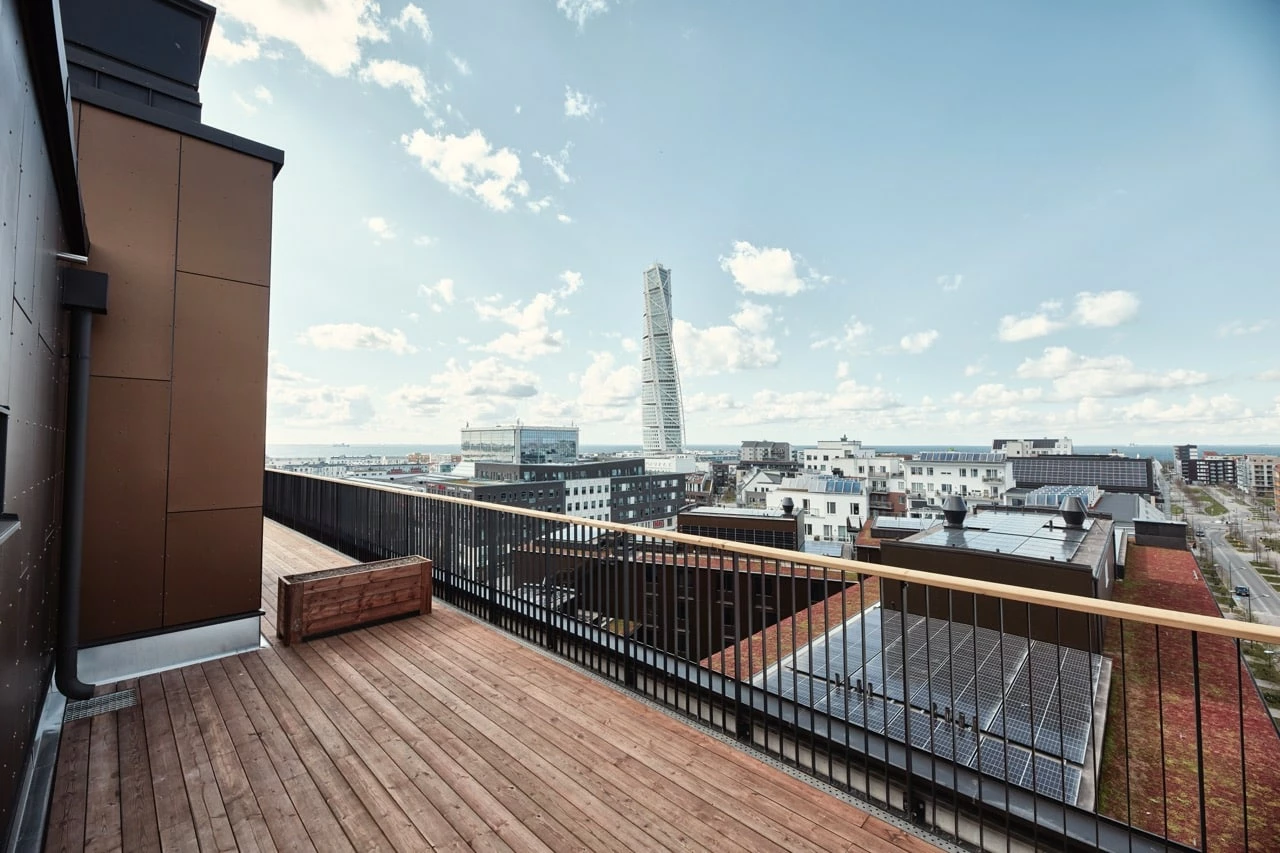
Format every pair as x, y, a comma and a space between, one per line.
1164, 782
908, 797
1124, 700
1062, 738
827, 633
1244, 779
777, 636
1004, 720
950, 711
1031, 702
1195, 685
928, 668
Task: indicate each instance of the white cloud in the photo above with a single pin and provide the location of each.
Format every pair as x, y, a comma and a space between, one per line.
329, 33
477, 389
442, 290
849, 339
354, 336
950, 282
606, 385
380, 227
423, 240
262, 93
629, 344
842, 369
390, 73
531, 335
557, 163
918, 342
565, 218
469, 164
1269, 375
464, 68
763, 271
1240, 328
1099, 310
994, 394
230, 52
581, 11
973, 369
742, 345
1013, 329
518, 109
243, 104
539, 204
1106, 309
1076, 376
309, 406
578, 105
413, 16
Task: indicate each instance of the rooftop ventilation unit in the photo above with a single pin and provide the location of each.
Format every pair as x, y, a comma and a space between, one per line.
788, 506
954, 511
1073, 513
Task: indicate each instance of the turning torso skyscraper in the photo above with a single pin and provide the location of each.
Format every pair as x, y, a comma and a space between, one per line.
661, 411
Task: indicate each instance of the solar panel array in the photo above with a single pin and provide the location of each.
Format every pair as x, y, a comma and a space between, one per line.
1021, 710
1042, 537
844, 486
959, 456
1114, 473
887, 522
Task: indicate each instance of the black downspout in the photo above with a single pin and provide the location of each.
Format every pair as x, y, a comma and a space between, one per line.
84, 294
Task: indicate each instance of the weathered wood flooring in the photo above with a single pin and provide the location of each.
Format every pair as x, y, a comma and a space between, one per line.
435, 732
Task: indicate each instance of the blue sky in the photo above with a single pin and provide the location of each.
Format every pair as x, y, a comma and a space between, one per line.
932, 222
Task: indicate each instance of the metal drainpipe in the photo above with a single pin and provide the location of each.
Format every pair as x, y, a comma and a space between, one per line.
83, 295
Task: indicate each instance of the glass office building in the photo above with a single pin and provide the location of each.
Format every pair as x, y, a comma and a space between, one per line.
525, 445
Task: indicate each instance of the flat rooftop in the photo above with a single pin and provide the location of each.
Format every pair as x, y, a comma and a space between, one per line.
435, 732
1032, 535
735, 512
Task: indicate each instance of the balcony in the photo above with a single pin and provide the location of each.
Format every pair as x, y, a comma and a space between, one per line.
437, 732
981, 715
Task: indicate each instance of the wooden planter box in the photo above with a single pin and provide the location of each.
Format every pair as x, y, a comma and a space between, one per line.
349, 597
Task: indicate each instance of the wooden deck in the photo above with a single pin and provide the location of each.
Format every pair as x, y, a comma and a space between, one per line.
435, 732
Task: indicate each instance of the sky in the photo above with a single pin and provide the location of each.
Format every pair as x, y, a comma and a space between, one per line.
934, 222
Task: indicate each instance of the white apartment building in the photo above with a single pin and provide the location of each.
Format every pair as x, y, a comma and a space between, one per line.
830, 455
677, 463
979, 478
830, 504
1255, 474
1024, 447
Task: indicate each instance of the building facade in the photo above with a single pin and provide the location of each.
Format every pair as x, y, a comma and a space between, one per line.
1024, 447
661, 406
1209, 470
979, 478
834, 508
1255, 475
526, 445
135, 261
765, 451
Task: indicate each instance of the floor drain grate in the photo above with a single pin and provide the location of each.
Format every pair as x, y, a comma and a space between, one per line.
104, 704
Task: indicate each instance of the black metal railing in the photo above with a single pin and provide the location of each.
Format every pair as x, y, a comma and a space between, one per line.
994, 716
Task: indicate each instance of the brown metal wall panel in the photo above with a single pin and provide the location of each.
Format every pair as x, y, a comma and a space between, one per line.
129, 180
125, 485
219, 395
224, 225
214, 565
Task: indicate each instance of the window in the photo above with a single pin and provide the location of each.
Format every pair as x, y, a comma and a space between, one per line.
917, 469
805, 503
946, 488
808, 530
826, 531
831, 507
930, 472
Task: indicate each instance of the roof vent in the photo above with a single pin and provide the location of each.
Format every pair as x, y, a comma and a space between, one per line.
1073, 513
788, 506
954, 511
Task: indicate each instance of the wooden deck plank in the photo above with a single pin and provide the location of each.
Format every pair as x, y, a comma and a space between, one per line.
425, 816
175, 814
485, 775
554, 755
371, 794
317, 817
139, 829
70, 789
788, 802
102, 813
276, 806
543, 724
215, 829
470, 826
212, 765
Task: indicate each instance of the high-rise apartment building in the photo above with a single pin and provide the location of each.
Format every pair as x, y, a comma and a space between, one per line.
661, 410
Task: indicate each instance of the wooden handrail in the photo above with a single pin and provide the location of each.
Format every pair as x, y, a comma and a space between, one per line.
856, 570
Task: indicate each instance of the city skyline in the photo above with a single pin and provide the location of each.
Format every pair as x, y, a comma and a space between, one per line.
875, 231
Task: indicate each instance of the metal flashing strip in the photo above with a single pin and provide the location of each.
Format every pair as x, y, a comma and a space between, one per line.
127, 659
104, 704
31, 808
